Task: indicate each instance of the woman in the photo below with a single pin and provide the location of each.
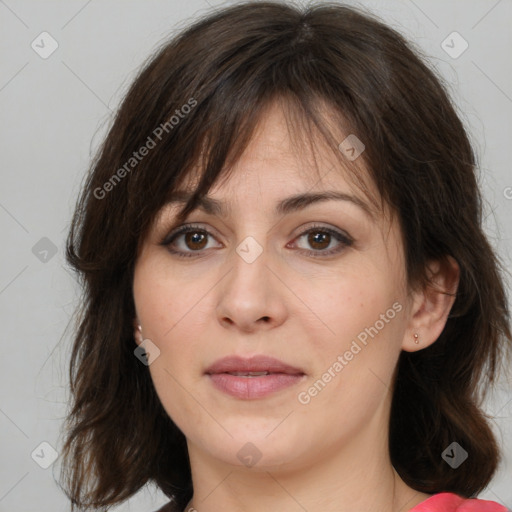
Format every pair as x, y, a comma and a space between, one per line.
289, 300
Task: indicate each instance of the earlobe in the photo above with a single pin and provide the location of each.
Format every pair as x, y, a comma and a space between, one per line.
432, 305
137, 331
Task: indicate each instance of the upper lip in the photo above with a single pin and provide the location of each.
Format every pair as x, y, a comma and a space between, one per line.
259, 363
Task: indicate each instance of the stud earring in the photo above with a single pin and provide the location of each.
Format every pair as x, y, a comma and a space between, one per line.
416, 340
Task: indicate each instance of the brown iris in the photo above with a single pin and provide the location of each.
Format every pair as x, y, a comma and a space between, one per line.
318, 237
195, 237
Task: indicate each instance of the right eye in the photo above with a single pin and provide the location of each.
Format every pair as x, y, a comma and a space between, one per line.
195, 239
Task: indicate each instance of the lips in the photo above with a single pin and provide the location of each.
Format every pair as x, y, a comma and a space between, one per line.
252, 378
240, 366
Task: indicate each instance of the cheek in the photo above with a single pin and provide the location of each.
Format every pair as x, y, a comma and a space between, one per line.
170, 324
163, 302
344, 304
362, 321
168, 321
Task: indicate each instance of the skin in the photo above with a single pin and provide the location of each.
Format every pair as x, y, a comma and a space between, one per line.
330, 454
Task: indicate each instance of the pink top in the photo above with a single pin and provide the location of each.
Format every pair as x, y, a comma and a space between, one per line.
442, 502
449, 502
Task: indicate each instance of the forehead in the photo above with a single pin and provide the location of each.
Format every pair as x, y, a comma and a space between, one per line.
281, 157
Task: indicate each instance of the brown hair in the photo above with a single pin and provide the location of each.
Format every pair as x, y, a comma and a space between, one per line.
228, 67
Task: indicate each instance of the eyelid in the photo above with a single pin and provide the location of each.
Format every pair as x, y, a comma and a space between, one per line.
183, 228
332, 230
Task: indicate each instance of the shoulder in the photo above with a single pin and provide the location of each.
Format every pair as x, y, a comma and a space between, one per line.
450, 502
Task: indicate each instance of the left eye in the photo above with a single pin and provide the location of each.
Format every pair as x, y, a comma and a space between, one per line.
318, 237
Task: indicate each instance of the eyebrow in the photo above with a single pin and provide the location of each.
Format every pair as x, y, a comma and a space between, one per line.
285, 206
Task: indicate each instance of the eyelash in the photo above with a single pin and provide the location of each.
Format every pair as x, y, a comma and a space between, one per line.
345, 240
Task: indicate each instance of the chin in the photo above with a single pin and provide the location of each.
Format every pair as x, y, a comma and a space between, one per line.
258, 446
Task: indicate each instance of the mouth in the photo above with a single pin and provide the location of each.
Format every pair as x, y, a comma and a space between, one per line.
252, 378
248, 374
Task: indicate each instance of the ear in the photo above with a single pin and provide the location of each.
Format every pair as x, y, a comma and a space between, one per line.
432, 304
137, 331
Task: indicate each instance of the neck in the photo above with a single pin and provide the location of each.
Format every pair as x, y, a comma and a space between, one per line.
355, 477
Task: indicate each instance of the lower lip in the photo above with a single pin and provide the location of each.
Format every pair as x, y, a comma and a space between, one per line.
253, 387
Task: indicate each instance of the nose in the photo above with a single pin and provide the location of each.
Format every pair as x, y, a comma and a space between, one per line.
251, 296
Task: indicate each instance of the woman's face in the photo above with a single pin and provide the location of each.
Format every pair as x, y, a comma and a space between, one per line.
318, 285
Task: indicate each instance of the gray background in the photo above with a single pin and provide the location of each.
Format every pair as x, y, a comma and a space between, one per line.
55, 111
